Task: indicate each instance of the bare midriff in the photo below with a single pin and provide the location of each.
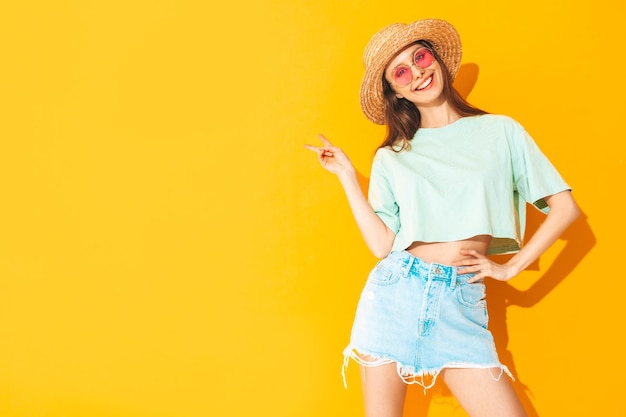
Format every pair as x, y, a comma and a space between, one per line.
447, 252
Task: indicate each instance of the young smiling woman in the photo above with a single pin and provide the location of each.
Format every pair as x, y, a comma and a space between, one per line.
448, 187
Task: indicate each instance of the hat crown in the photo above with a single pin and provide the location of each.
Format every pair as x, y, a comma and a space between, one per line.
379, 39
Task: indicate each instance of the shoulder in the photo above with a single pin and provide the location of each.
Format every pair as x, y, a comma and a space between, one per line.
387, 160
388, 152
383, 158
496, 120
498, 126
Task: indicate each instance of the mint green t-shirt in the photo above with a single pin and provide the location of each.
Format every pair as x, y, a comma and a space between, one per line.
471, 177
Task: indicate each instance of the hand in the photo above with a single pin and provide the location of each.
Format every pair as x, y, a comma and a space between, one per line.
331, 157
482, 266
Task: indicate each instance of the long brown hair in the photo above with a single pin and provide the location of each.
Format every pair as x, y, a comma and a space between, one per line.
403, 118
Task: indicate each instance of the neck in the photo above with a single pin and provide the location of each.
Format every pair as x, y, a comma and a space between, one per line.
438, 116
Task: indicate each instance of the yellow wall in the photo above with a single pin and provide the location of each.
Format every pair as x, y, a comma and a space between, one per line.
168, 248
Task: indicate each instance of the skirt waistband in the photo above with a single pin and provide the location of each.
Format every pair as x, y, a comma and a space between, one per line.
433, 271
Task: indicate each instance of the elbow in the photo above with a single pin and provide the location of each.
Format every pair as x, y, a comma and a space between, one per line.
380, 244
381, 253
566, 207
574, 211
380, 249
571, 211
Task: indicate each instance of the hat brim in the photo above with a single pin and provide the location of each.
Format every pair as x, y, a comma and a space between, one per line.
386, 43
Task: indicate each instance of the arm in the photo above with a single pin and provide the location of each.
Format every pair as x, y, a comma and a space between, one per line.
563, 211
377, 236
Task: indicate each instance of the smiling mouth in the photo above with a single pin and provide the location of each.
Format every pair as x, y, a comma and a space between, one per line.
425, 83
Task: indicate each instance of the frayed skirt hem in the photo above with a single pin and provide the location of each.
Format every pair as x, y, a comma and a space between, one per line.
425, 378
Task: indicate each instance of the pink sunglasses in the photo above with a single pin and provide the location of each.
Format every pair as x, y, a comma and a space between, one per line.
402, 75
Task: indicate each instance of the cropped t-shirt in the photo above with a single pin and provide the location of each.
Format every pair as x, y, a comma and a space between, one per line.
471, 177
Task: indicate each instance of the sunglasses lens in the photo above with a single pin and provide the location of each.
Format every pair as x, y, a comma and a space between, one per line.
402, 76
424, 58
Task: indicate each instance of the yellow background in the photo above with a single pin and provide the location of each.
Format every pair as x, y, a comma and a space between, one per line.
168, 248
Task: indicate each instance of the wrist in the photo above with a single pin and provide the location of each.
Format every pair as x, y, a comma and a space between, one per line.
512, 269
347, 174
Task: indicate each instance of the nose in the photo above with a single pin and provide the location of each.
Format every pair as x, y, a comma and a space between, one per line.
415, 69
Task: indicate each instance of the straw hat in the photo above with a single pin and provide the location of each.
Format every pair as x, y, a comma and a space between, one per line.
390, 40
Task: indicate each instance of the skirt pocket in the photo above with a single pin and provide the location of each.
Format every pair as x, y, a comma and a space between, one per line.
386, 272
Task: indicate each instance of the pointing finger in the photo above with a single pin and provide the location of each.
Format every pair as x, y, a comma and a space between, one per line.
326, 141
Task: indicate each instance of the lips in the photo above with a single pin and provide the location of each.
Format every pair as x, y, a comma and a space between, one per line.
425, 84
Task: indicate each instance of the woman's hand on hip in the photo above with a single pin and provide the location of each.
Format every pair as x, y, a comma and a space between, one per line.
482, 267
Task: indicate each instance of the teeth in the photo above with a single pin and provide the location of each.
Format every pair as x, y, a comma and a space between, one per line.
425, 83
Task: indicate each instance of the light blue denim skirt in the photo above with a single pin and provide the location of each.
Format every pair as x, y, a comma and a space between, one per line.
424, 317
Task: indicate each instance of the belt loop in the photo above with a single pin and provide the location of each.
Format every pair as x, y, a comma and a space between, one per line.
453, 277
409, 264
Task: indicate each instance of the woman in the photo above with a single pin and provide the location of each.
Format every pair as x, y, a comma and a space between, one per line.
448, 187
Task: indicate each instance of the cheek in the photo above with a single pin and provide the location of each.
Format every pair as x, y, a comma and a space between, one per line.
439, 73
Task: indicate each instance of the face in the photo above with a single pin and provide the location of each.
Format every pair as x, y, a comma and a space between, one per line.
415, 75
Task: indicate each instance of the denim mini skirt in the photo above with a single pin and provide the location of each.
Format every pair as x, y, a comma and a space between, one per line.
424, 317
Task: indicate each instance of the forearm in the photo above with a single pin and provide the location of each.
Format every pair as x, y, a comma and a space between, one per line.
563, 211
377, 236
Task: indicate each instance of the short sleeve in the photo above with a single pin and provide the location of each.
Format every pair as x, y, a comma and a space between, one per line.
534, 175
380, 194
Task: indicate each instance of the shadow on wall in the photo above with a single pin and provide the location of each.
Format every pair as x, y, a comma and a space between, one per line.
579, 240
